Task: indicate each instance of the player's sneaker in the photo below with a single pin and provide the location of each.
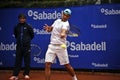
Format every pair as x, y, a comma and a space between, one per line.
27, 77
74, 78
13, 78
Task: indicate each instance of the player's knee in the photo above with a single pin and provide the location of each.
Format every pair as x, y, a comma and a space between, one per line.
68, 66
47, 64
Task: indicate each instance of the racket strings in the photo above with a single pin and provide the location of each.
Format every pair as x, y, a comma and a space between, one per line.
74, 30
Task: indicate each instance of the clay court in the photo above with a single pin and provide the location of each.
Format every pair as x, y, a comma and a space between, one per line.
62, 75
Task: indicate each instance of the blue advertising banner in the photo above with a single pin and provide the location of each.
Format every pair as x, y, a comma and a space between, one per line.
97, 47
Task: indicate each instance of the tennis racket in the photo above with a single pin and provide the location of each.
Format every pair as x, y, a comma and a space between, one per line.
74, 31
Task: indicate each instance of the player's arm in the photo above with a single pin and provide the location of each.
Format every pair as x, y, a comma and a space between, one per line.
63, 33
48, 28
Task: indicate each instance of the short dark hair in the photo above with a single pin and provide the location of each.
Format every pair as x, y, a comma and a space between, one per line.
21, 16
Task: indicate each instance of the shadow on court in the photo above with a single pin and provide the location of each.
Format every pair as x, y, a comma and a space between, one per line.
62, 75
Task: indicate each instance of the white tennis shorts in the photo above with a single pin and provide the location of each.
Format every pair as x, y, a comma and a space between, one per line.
56, 50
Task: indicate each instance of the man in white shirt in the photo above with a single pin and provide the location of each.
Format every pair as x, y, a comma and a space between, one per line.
57, 46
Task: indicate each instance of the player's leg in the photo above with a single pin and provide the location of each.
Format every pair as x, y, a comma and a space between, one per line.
64, 60
70, 71
47, 70
49, 59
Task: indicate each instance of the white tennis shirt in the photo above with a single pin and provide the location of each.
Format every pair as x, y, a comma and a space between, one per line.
58, 25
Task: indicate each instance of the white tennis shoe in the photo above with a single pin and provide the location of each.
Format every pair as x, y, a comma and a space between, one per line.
27, 77
74, 78
13, 78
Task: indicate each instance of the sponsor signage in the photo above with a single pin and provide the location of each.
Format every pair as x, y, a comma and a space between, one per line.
97, 47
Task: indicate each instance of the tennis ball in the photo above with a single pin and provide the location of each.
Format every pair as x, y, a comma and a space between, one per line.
63, 46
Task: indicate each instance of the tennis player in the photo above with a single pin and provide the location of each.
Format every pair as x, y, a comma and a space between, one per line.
57, 46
